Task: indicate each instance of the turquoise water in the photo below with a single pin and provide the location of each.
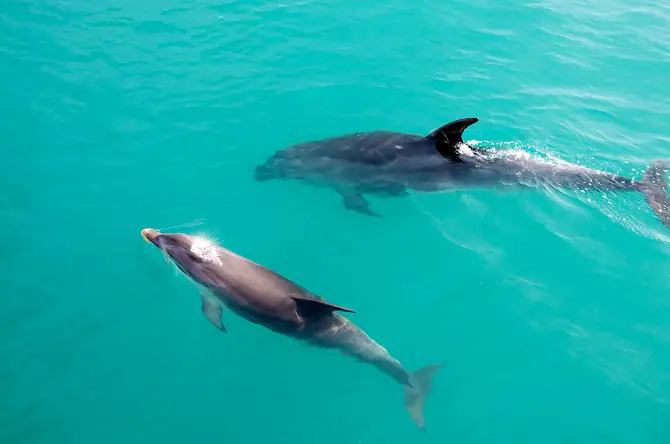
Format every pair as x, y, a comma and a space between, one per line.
550, 308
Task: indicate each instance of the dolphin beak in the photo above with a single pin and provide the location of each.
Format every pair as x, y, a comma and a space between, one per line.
150, 235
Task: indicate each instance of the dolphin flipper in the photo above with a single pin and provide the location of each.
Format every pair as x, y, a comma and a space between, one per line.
213, 311
396, 190
356, 202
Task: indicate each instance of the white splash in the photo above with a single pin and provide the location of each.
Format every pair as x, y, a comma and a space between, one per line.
465, 150
206, 249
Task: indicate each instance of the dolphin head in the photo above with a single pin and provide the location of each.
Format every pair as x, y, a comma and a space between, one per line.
196, 257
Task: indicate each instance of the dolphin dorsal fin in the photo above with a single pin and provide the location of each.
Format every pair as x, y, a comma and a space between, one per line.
452, 132
315, 308
450, 135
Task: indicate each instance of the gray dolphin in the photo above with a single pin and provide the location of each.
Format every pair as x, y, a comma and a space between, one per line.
263, 297
388, 163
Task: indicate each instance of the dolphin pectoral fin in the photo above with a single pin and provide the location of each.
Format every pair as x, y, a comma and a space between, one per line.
450, 136
315, 308
264, 172
213, 312
393, 189
356, 202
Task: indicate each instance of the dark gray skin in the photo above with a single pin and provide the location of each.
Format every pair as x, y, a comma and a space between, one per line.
263, 297
388, 164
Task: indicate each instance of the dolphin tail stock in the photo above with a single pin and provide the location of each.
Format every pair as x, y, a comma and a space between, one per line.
654, 186
415, 396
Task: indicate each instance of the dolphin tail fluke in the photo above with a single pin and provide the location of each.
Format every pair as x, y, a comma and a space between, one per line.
415, 397
654, 186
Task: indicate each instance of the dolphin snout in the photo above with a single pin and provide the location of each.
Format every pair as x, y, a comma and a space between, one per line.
150, 235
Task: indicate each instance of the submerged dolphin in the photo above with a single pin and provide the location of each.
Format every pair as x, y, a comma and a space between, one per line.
389, 163
263, 297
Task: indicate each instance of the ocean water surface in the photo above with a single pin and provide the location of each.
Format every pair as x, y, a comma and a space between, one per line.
550, 308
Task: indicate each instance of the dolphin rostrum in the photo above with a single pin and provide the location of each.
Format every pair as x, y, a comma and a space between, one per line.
389, 163
264, 297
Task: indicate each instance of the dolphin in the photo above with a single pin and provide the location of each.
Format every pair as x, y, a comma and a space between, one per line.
386, 163
263, 297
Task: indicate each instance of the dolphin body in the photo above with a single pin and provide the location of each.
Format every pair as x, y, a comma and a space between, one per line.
263, 297
387, 163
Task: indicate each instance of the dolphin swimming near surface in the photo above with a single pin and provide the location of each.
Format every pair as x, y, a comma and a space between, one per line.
264, 297
388, 163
